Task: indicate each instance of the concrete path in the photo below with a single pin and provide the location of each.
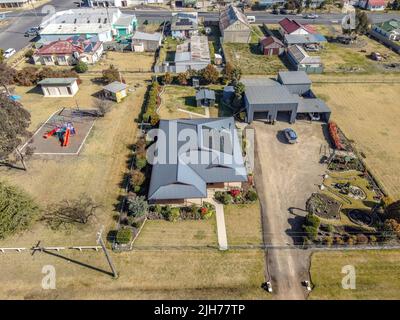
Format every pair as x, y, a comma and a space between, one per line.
206, 115
221, 228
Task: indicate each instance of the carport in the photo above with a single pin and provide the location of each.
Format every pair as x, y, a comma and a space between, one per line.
314, 105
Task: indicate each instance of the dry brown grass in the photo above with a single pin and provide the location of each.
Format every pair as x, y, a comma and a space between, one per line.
243, 224
160, 233
125, 61
377, 274
176, 274
368, 114
97, 171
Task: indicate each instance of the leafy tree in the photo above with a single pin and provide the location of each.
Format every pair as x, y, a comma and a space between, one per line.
140, 162
81, 67
1, 55
168, 78
124, 236
395, 5
307, 4
232, 73
14, 122
362, 22
210, 74
239, 91
111, 74
18, 210
28, 76
68, 213
7, 75
137, 206
29, 53
182, 79
393, 211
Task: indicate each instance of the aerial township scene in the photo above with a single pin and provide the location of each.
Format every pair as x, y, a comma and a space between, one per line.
162, 149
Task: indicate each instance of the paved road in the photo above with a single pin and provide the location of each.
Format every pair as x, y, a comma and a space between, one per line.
12, 35
262, 17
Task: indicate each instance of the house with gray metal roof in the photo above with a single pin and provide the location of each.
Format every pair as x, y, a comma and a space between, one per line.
193, 54
302, 61
142, 41
116, 91
205, 97
194, 156
290, 95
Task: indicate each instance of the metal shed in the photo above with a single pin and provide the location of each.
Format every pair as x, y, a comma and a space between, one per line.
267, 102
297, 82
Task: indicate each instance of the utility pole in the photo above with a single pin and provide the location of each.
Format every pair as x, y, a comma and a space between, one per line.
101, 243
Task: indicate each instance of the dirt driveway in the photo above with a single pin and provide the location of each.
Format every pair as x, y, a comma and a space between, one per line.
286, 175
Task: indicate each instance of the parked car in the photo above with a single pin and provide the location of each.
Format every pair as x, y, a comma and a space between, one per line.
314, 116
251, 19
310, 16
283, 11
376, 56
275, 11
290, 135
32, 32
9, 53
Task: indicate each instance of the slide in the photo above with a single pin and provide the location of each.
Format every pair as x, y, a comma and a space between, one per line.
50, 133
66, 138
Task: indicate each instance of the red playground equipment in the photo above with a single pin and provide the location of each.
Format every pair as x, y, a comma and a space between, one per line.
63, 133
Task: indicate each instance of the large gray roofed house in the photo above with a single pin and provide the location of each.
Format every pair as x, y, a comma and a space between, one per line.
293, 77
269, 94
289, 95
186, 170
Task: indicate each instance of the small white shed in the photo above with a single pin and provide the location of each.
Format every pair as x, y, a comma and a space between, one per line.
59, 87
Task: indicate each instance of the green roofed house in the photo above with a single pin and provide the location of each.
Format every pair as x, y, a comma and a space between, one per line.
206, 157
59, 87
388, 33
389, 29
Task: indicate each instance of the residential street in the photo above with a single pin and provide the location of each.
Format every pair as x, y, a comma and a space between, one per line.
12, 35
285, 177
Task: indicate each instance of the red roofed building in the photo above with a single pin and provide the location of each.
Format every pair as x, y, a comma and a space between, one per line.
271, 46
289, 26
69, 52
373, 5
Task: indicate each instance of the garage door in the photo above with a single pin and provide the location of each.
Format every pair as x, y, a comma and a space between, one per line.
260, 116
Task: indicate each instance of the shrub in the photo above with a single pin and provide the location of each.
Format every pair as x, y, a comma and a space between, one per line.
166, 211
312, 220
330, 228
338, 240
311, 232
124, 236
173, 214
137, 178
223, 197
372, 239
234, 192
111, 74
182, 78
251, 195
81, 67
362, 238
18, 210
210, 74
138, 206
328, 241
140, 163
29, 53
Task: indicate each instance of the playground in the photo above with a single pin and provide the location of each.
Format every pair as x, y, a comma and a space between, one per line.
64, 133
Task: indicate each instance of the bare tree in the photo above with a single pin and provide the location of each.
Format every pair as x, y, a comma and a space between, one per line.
68, 213
102, 106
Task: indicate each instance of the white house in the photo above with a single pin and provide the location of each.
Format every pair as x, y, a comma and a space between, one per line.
59, 87
103, 23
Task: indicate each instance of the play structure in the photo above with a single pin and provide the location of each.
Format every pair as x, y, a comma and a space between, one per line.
62, 132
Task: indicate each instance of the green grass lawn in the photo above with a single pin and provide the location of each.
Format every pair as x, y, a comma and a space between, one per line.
377, 274
243, 224
161, 233
181, 97
256, 34
248, 57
